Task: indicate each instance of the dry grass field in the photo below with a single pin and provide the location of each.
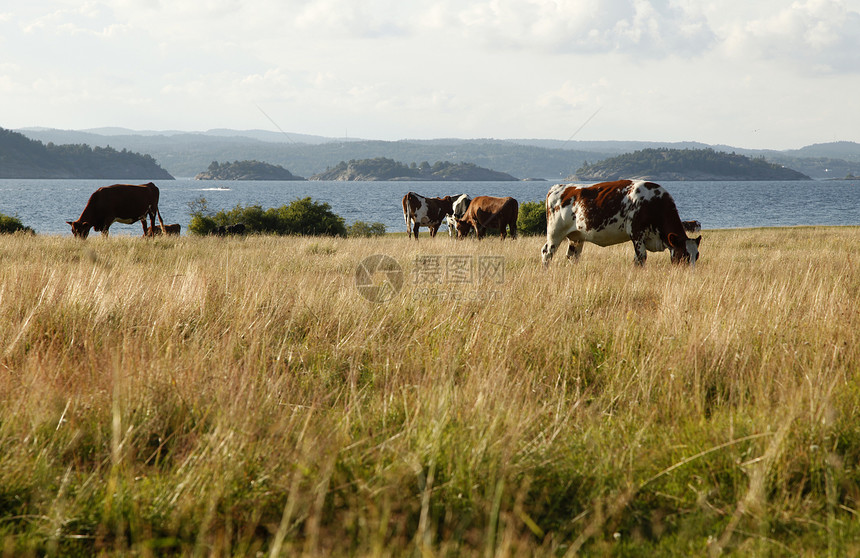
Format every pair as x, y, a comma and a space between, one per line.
242, 397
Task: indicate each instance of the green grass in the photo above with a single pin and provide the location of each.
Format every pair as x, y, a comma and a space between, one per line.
236, 397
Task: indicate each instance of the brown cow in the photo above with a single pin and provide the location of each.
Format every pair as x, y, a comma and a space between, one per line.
169, 230
489, 212
419, 211
124, 203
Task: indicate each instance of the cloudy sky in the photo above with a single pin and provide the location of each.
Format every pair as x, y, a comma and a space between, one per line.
758, 74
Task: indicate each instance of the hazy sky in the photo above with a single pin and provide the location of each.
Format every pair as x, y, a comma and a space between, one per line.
758, 74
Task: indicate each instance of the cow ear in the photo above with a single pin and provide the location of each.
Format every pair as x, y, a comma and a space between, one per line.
673, 240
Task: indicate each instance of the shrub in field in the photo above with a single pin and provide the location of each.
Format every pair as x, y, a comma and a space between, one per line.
308, 217
532, 218
360, 228
12, 224
300, 217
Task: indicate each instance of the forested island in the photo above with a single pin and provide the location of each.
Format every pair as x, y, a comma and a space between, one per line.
685, 164
246, 170
21, 157
382, 169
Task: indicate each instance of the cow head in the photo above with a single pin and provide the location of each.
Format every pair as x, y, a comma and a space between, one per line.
683, 249
80, 229
463, 226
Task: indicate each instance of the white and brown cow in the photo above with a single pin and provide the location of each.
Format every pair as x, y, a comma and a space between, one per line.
419, 211
613, 212
486, 212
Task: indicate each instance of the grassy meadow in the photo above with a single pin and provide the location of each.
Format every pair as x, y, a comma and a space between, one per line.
241, 397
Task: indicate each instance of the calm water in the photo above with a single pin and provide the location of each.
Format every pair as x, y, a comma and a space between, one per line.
46, 205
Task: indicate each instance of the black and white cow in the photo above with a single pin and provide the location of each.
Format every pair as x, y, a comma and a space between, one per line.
459, 207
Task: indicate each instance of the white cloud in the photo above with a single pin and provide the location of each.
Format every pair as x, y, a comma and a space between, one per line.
367, 19
813, 36
636, 27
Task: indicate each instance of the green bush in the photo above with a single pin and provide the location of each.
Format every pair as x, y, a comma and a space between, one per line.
308, 217
300, 217
360, 228
532, 218
10, 225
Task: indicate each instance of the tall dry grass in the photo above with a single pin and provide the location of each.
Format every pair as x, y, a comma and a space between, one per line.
202, 396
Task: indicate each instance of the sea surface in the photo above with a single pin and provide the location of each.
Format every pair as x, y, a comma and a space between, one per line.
46, 205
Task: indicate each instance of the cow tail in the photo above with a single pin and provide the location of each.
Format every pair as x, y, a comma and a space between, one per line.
406, 212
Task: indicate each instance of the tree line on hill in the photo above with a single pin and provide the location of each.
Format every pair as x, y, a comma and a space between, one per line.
21, 157
182, 154
685, 164
383, 168
246, 170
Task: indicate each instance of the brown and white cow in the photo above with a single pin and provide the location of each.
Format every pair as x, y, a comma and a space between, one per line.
613, 212
123, 203
170, 230
489, 212
419, 211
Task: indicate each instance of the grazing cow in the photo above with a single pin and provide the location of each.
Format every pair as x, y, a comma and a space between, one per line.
459, 207
489, 212
613, 212
124, 203
419, 211
170, 230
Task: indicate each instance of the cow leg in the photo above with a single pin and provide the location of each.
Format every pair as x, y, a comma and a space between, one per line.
641, 254
574, 249
548, 250
546, 253
433, 231
415, 230
160, 220
513, 230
